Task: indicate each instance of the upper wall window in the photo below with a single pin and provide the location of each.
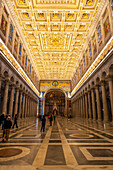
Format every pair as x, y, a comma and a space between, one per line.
10, 38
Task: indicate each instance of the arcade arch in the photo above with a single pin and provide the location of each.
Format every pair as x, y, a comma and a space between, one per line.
56, 98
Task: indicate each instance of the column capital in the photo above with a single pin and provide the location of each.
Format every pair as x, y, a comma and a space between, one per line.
103, 82
89, 89
7, 80
92, 88
85, 92
17, 88
110, 78
12, 85
97, 86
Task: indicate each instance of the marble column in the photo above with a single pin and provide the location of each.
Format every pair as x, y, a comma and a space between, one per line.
110, 80
0, 85
20, 102
16, 102
86, 104
81, 107
78, 107
23, 106
93, 104
105, 105
29, 106
98, 104
89, 104
26, 106
4, 107
11, 100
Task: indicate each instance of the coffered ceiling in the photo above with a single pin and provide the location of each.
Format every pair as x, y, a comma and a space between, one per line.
55, 32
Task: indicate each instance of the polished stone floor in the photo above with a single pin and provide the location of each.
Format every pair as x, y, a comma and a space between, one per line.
66, 145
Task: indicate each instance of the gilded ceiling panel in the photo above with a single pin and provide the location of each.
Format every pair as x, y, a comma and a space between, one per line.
55, 32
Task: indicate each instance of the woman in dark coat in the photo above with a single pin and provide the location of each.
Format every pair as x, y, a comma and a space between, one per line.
51, 119
7, 127
43, 123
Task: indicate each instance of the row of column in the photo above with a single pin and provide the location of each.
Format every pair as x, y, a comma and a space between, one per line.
25, 105
85, 105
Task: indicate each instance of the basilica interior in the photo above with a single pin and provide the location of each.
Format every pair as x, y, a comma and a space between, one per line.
56, 60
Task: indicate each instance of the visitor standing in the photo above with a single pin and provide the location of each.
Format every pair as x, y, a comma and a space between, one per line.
43, 123
7, 127
15, 121
51, 119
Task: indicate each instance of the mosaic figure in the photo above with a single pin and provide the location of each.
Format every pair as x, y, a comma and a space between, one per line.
90, 50
16, 43
84, 62
80, 68
10, 34
23, 57
3, 25
30, 68
26, 61
106, 26
94, 47
99, 33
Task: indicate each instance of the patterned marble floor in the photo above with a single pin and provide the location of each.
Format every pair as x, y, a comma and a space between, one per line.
67, 145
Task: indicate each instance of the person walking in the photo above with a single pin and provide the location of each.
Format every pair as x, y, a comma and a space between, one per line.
51, 119
43, 123
15, 121
54, 113
7, 127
